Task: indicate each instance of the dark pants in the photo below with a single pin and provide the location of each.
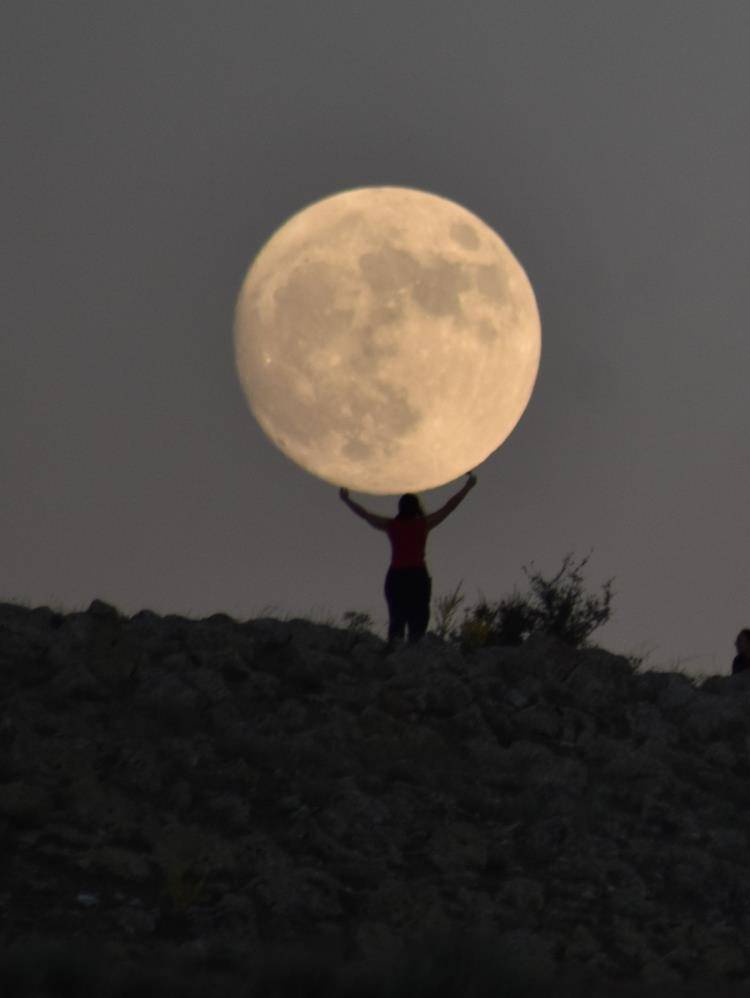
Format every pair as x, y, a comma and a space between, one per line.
407, 592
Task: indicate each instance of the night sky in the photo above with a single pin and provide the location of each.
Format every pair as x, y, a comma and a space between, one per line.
149, 150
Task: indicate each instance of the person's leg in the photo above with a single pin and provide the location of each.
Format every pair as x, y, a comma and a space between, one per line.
419, 607
394, 597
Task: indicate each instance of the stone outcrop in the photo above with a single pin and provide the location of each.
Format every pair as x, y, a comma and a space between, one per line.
213, 786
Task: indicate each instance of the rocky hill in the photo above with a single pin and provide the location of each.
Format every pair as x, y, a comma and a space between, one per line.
280, 804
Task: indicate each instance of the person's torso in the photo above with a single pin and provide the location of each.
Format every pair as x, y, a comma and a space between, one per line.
408, 541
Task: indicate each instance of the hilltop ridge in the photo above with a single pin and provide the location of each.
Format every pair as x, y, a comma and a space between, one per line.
222, 790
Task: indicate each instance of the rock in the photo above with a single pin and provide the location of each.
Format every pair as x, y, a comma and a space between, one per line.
541, 720
528, 956
180, 796
656, 972
581, 945
98, 608
122, 864
720, 755
75, 682
518, 699
458, 845
734, 685
210, 684
523, 895
232, 811
377, 944
539, 843
280, 781
236, 910
630, 943
168, 700
726, 959
24, 804
135, 921
677, 694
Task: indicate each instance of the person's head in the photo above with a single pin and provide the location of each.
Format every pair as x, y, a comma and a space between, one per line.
742, 644
409, 506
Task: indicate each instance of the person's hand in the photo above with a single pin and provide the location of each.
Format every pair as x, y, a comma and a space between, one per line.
471, 479
343, 493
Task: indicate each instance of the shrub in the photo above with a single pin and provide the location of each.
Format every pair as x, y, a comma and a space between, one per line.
446, 611
556, 605
564, 608
357, 622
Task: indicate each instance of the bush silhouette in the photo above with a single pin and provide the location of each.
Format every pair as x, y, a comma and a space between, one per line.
557, 605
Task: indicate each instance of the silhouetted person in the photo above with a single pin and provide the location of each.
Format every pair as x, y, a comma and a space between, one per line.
407, 584
742, 658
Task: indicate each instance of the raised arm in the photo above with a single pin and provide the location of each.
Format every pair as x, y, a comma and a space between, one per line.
379, 522
433, 519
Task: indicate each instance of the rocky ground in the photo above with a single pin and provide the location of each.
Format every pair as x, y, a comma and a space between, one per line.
287, 808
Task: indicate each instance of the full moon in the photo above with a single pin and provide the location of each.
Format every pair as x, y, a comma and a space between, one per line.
386, 339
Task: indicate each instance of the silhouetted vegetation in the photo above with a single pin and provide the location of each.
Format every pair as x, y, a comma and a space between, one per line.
357, 622
558, 605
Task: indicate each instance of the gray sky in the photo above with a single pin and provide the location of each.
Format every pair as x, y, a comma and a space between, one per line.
150, 149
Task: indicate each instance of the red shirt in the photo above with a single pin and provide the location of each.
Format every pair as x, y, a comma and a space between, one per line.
408, 539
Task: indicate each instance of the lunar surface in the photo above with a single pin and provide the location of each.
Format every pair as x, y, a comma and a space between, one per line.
387, 339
